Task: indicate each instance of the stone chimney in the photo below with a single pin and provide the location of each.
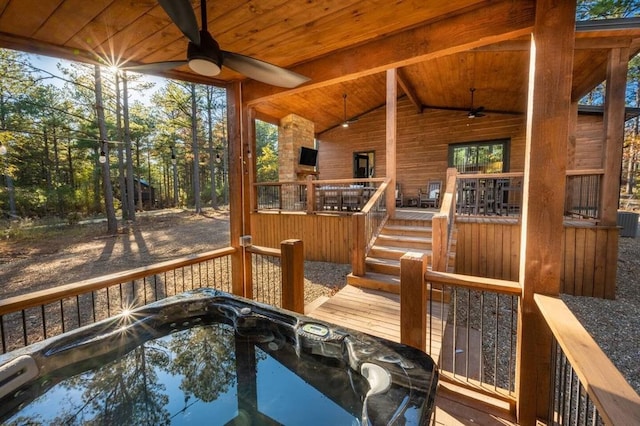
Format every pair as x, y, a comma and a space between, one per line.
293, 133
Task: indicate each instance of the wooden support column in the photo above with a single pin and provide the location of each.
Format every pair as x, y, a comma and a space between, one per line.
614, 115
392, 106
548, 116
236, 225
413, 297
292, 264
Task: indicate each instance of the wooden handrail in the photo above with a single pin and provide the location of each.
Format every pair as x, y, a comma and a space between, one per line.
265, 251
475, 283
615, 399
585, 172
442, 223
44, 297
320, 182
376, 196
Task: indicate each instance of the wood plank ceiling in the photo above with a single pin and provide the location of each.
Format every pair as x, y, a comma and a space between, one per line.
299, 33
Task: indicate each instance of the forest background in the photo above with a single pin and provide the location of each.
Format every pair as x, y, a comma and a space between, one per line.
71, 136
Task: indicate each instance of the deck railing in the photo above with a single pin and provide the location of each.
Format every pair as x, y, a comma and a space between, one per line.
284, 196
500, 194
35, 316
586, 388
489, 194
340, 196
479, 345
582, 197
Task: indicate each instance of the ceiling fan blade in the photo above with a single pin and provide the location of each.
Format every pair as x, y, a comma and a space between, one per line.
155, 67
182, 14
263, 71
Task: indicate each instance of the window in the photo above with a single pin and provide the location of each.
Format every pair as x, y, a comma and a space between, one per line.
480, 157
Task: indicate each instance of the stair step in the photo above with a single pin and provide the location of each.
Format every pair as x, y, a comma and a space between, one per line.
404, 241
394, 252
417, 231
383, 266
376, 281
391, 284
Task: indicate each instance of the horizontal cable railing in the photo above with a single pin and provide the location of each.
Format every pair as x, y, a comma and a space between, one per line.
32, 317
479, 342
586, 388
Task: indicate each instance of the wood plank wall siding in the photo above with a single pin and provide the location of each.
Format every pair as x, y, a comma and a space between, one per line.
487, 248
423, 140
492, 250
326, 237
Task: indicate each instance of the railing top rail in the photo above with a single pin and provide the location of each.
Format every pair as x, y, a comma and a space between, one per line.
376, 196
321, 182
447, 199
489, 175
475, 283
44, 297
617, 402
585, 172
265, 251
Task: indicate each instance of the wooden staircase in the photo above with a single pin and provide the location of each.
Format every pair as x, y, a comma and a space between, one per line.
397, 237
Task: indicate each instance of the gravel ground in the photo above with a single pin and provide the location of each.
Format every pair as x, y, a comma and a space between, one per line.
615, 324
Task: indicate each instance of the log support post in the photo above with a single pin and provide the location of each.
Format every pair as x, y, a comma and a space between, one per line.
292, 264
547, 133
413, 296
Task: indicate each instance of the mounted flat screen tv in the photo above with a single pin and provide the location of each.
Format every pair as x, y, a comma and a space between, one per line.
308, 156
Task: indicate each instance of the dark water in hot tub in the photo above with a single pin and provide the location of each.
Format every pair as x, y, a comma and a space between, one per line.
192, 377
207, 357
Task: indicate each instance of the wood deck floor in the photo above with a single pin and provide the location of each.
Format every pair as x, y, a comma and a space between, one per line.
378, 313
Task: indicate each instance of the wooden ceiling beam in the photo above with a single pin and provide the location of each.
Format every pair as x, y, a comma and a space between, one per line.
408, 90
583, 41
489, 24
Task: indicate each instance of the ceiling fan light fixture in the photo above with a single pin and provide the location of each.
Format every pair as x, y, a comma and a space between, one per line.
205, 59
204, 66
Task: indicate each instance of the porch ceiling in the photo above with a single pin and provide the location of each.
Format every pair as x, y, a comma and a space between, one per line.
441, 49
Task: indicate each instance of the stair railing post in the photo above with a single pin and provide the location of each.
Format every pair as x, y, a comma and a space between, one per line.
439, 242
358, 244
292, 265
413, 296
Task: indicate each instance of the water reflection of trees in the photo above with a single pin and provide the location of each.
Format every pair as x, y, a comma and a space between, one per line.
130, 390
205, 358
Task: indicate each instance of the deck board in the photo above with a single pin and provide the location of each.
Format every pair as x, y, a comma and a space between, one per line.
378, 313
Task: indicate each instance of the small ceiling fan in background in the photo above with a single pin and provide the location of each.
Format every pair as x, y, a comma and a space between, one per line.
475, 112
205, 57
345, 122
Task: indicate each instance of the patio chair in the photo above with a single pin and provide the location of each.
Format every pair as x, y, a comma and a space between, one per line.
431, 198
399, 199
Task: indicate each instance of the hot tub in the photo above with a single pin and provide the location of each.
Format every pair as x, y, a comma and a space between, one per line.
207, 357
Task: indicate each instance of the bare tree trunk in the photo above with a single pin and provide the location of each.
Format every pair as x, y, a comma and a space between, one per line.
196, 154
212, 157
127, 140
112, 224
121, 180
